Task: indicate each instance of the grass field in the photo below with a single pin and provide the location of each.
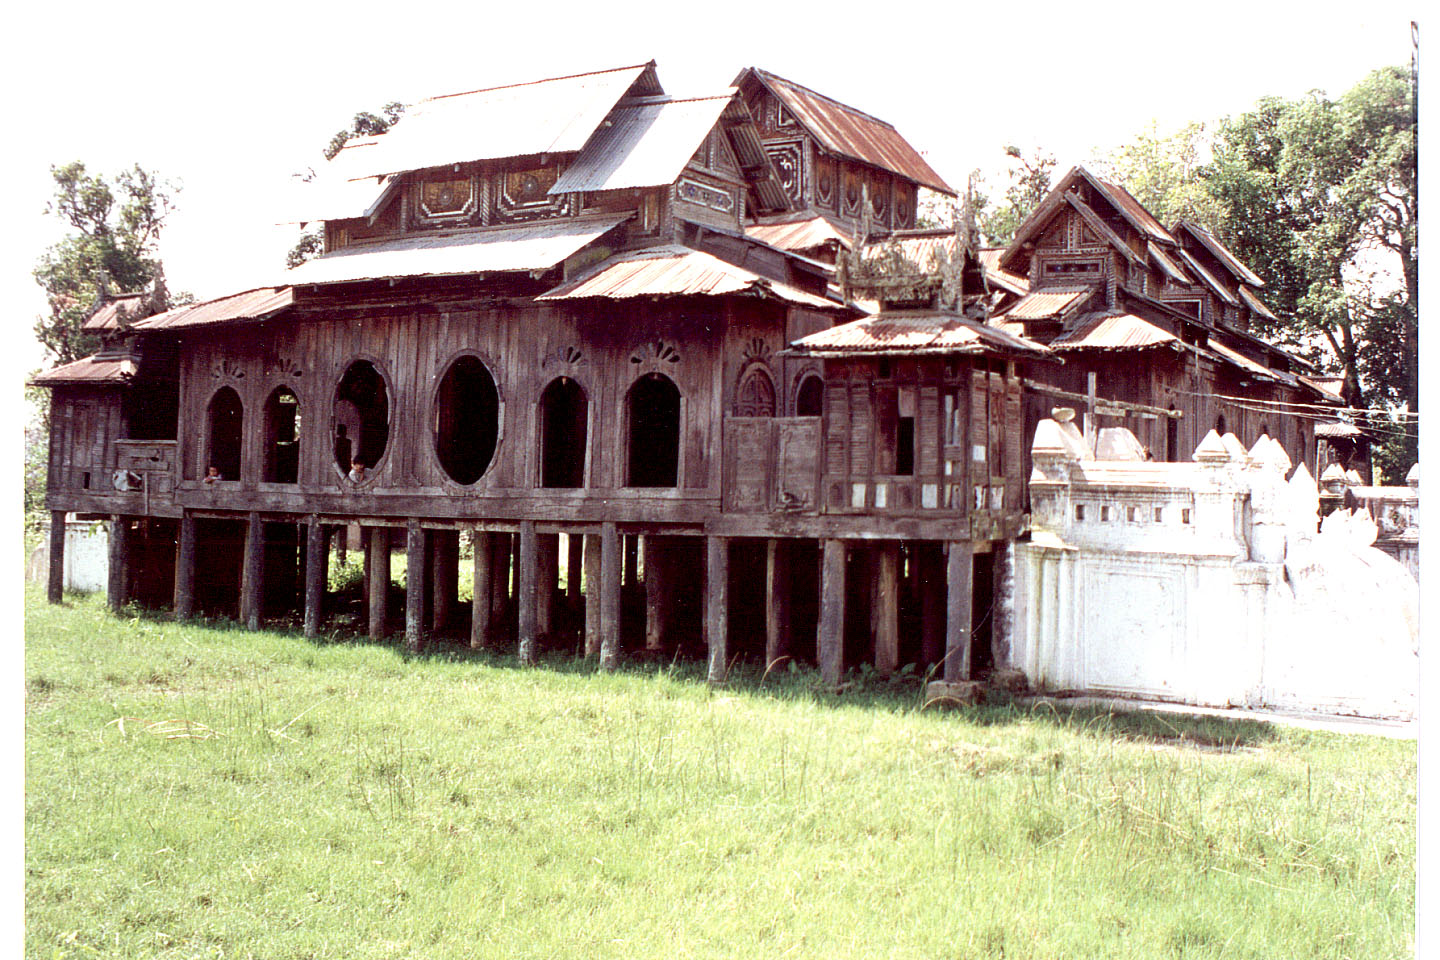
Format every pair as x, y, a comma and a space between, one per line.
200, 791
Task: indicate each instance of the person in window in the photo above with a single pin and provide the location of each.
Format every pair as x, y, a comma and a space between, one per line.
212, 474
357, 471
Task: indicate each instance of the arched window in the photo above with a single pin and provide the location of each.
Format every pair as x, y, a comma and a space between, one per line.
756, 396
467, 420
563, 410
653, 413
282, 437
810, 396
224, 428
362, 416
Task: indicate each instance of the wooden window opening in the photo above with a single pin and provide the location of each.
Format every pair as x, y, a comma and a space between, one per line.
563, 415
467, 420
224, 429
653, 416
362, 416
282, 437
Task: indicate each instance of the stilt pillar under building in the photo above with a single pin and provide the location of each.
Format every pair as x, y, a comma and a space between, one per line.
777, 600
592, 594
610, 564
377, 565
959, 583
55, 586
252, 572
415, 574
317, 571
886, 608
527, 594
481, 609
717, 584
116, 586
830, 633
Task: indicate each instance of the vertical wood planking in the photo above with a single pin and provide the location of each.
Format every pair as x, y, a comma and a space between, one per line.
574, 552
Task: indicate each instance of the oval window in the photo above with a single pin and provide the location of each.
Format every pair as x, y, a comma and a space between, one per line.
467, 420
362, 417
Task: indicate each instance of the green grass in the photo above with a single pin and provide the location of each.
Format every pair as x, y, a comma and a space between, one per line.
201, 791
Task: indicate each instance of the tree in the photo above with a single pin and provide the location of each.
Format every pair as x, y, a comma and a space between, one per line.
1319, 197
1162, 173
116, 225
363, 124
1029, 182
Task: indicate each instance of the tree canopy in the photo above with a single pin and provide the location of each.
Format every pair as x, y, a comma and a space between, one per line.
115, 225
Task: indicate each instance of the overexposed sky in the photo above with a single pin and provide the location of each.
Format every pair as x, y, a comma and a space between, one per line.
231, 104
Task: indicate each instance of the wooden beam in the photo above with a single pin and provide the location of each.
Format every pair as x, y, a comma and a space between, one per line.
185, 568
717, 584
316, 572
959, 581
377, 562
481, 611
115, 583
830, 633
887, 609
252, 572
415, 571
55, 587
777, 600
610, 564
656, 608
1120, 406
592, 594
526, 593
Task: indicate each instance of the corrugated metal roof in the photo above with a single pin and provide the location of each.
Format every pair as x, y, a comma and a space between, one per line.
1170, 267
643, 145
1131, 208
1328, 387
1013, 282
1338, 431
1253, 367
93, 371
255, 304
1221, 252
674, 271
1113, 332
547, 116
800, 234
1208, 278
1253, 302
916, 332
536, 246
108, 316
844, 130
331, 197
1050, 302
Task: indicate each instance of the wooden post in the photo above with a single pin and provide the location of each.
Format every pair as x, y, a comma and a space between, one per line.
959, 580
547, 570
932, 603
377, 563
415, 570
55, 589
1003, 605
887, 609
1089, 418
717, 588
445, 577
481, 611
655, 590
526, 595
316, 573
777, 600
115, 585
503, 544
574, 560
252, 573
593, 580
610, 564
830, 639
185, 568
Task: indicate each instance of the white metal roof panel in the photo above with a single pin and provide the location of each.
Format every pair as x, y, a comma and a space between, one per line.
643, 145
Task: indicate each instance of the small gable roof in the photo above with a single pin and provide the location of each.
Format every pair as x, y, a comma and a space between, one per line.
843, 130
917, 332
1117, 196
1220, 252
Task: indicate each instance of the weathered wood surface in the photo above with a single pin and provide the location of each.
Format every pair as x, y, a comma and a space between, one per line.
593, 578
959, 581
777, 600
830, 634
55, 582
887, 609
415, 576
377, 563
252, 578
117, 582
610, 564
481, 609
717, 583
185, 550
445, 577
317, 557
526, 593
656, 605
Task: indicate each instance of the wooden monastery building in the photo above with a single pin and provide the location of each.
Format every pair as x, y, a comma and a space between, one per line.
700, 338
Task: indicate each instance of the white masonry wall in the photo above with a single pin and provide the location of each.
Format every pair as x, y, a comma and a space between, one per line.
1206, 583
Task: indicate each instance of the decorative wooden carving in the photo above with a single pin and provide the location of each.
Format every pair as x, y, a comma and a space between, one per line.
568, 356
282, 367
756, 349
756, 396
825, 182
450, 199
227, 369
712, 197
788, 157
655, 352
852, 193
522, 195
904, 205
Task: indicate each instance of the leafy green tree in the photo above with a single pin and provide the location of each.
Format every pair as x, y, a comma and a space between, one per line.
1029, 181
363, 124
1161, 171
116, 224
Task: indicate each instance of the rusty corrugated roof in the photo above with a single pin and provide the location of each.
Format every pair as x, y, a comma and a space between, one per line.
643, 144
675, 271
802, 233
108, 316
916, 332
1254, 303
1113, 332
536, 246
1046, 303
93, 371
1221, 252
1253, 367
990, 261
258, 304
1132, 209
1168, 266
1208, 278
846, 131
1327, 387
551, 116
